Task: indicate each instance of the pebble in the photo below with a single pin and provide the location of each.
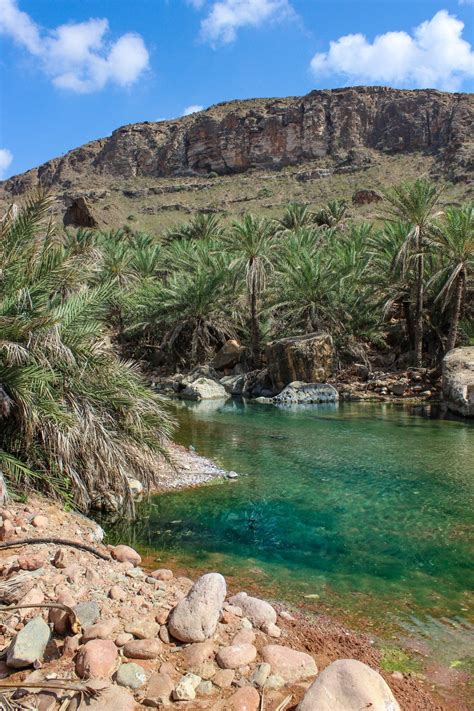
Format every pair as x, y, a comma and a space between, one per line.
123, 638
245, 699
162, 574
131, 675
185, 690
101, 630
145, 629
159, 690
87, 613
271, 629
224, 678
261, 674
143, 649
117, 593
205, 688
40, 521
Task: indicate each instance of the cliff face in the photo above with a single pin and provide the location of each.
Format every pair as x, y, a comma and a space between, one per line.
272, 133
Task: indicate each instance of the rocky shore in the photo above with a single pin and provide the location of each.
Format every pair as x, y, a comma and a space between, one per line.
97, 630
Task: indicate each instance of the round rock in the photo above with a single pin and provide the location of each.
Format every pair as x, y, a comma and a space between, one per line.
195, 617
96, 659
131, 675
257, 611
291, 665
236, 655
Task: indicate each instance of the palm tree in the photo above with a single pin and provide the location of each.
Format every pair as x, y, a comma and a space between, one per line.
76, 421
296, 215
251, 244
331, 214
203, 226
413, 204
454, 240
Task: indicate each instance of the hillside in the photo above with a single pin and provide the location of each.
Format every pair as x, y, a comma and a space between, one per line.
259, 154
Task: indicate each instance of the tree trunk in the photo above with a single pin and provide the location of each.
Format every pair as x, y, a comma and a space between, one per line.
418, 326
255, 331
453, 330
409, 323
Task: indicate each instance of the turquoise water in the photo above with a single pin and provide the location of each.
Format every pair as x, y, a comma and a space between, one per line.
367, 506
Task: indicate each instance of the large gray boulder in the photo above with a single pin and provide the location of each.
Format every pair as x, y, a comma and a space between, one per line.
306, 394
234, 384
195, 618
348, 685
29, 645
307, 358
458, 380
204, 389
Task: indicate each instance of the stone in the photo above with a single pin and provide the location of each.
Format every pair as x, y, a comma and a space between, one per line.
195, 617
29, 645
96, 659
229, 355
205, 688
274, 681
143, 649
40, 521
59, 618
144, 629
80, 214
298, 393
111, 698
244, 637
398, 389
71, 645
7, 529
131, 675
60, 559
223, 678
271, 629
257, 611
101, 630
33, 561
261, 674
348, 685
236, 655
196, 654
162, 616
458, 380
185, 690
123, 638
308, 358
125, 554
245, 699
366, 197
164, 635
204, 389
117, 593
162, 574
87, 613
234, 384
291, 665
159, 690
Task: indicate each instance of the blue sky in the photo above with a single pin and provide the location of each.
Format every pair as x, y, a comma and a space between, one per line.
74, 70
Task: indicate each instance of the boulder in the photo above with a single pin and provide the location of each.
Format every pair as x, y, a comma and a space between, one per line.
348, 685
258, 383
259, 612
458, 380
307, 358
80, 214
195, 618
229, 355
234, 384
204, 389
125, 554
306, 394
366, 197
289, 664
29, 644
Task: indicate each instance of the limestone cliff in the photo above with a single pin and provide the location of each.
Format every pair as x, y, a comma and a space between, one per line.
346, 125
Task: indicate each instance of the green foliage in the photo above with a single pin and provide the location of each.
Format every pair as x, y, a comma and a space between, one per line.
76, 420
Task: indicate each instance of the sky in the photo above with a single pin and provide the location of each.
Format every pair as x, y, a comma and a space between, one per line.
75, 70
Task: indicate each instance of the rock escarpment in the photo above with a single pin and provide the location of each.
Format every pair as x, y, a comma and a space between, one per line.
344, 124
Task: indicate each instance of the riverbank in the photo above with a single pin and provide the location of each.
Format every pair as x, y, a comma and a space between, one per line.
127, 638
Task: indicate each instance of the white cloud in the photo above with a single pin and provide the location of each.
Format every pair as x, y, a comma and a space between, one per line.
225, 17
193, 109
466, 2
434, 55
77, 56
6, 158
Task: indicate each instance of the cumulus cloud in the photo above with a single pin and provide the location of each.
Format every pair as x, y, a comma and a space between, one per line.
193, 109
226, 17
77, 56
6, 158
434, 55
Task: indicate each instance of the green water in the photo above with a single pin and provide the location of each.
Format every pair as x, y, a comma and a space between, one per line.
368, 506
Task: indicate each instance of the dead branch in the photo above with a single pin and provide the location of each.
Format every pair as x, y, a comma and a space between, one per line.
56, 542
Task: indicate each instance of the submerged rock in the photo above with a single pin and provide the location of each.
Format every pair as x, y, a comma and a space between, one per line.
348, 685
458, 380
306, 394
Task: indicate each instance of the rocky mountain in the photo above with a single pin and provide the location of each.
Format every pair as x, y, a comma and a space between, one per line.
325, 133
